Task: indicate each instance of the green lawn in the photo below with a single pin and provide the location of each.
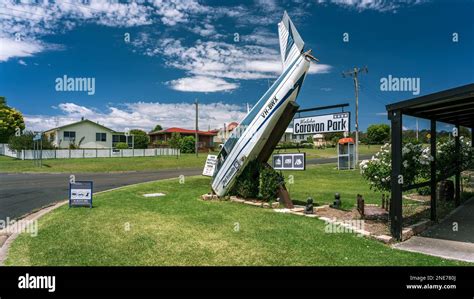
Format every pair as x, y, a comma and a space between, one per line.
181, 229
331, 152
322, 181
8, 164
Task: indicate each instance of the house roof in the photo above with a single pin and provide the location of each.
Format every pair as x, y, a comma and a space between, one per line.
182, 131
81, 121
232, 125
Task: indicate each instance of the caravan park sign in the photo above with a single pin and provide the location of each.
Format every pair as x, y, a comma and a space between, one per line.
329, 123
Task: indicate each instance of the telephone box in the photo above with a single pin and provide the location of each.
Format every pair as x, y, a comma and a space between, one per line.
346, 153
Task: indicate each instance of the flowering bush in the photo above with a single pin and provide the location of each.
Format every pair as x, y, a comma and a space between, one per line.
446, 158
415, 162
416, 159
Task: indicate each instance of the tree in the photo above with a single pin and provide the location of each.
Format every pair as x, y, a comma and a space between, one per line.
174, 141
378, 134
11, 121
25, 142
158, 127
140, 138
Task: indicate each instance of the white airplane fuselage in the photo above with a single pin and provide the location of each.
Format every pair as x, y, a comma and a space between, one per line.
251, 138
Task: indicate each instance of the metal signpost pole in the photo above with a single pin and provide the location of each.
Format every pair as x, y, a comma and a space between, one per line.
197, 127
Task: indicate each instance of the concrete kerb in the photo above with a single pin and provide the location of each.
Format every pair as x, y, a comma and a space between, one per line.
40, 213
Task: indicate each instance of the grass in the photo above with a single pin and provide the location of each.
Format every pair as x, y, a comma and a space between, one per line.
331, 152
8, 164
181, 229
322, 181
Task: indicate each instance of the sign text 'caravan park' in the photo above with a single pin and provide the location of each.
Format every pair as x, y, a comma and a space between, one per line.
337, 122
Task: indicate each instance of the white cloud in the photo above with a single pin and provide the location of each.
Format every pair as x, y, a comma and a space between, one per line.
11, 48
141, 115
208, 61
22, 62
378, 5
202, 84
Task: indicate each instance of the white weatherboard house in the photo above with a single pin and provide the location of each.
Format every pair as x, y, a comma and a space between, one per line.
85, 134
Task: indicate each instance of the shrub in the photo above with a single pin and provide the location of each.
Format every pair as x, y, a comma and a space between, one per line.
247, 183
270, 181
187, 145
121, 145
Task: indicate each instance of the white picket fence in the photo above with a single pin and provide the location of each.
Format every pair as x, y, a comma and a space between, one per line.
88, 153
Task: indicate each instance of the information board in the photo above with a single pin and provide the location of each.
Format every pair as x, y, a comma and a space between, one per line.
329, 123
293, 161
210, 165
80, 194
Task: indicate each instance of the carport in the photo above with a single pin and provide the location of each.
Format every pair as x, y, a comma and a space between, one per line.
453, 106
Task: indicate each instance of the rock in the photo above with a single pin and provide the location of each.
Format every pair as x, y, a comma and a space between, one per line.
384, 238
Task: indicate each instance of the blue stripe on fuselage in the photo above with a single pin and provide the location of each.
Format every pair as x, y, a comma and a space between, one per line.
297, 84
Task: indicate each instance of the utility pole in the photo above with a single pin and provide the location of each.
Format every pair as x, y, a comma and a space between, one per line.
354, 74
197, 128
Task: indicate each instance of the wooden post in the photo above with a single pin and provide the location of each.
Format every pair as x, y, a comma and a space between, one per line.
458, 168
433, 178
396, 178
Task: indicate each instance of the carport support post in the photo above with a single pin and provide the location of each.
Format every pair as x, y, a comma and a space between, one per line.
396, 182
433, 170
458, 170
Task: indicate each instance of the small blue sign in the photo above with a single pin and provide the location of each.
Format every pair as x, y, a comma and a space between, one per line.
80, 194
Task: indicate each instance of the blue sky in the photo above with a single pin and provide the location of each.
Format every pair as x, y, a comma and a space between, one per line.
183, 50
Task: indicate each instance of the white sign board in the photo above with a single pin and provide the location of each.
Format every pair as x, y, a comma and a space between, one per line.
337, 122
210, 165
296, 161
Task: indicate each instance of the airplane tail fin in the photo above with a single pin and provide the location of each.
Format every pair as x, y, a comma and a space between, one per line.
291, 44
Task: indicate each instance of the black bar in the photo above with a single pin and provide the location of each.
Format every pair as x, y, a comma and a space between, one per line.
458, 168
323, 107
396, 200
433, 171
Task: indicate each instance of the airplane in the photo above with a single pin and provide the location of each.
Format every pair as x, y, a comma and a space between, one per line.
261, 129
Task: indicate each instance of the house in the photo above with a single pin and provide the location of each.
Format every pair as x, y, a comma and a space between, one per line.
223, 133
86, 134
205, 138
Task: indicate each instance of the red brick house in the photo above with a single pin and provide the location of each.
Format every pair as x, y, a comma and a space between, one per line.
205, 138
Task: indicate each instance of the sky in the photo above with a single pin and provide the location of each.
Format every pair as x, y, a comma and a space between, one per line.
150, 60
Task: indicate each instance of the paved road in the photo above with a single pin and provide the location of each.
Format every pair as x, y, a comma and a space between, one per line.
332, 160
442, 240
21, 193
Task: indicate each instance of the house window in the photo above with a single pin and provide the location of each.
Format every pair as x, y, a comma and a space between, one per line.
69, 135
121, 138
100, 137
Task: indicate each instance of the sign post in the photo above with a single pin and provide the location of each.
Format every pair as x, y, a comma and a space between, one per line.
210, 165
80, 194
329, 123
293, 161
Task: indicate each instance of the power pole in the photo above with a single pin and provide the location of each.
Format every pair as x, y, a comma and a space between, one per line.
197, 128
354, 74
